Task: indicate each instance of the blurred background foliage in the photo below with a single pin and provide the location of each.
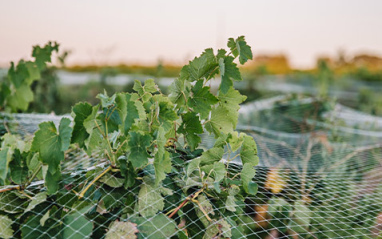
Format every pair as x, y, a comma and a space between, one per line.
359, 74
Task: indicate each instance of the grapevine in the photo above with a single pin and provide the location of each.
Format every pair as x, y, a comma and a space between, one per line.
146, 141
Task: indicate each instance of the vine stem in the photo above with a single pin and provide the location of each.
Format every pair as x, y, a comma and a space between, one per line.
190, 198
82, 193
174, 211
15, 187
210, 75
111, 159
34, 174
107, 118
205, 122
95, 121
23, 193
20, 187
201, 209
185, 97
236, 175
120, 146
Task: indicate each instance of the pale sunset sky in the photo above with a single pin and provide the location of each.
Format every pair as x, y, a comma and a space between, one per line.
107, 32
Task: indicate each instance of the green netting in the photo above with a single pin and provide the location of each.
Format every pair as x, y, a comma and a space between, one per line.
319, 176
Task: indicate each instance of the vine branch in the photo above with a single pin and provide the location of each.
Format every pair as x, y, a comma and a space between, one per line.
82, 193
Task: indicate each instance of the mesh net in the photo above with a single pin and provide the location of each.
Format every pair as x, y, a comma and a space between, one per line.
319, 177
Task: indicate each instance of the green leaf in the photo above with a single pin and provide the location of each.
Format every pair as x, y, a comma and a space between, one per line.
225, 228
157, 227
51, 180
217, 171
17, 75
21, 98
211, 232
149, 87
162, 161
202, 99
248, 152
11, 203
252, 188
5, 91
80, 112
18, 167
122, 230
230, 204
33, 164
14, 141
65, 133
231, 72
231, 200
112, 181
247, 174
211, 156
33, 72
145, 91
236, 141
16, 91
190, 128
114, 139
6, 230
77, 226
203, 66
127, 171
110, 118
128, 111
52, 144
95, 141
231, 100
184, 73
179, 92
33, 228
21, 76
240, 48
166, 115
183, 235
138, 144
5, 158
45, 218
232, 46
221, 66
193, 165
206, 206
220, 122
221, 54
222, 140
36, 200
138, 87
138, 103
150, 200
218, 229
106, 101
42, 55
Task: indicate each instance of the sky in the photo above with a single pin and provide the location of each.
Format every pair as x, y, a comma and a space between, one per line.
109, 32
